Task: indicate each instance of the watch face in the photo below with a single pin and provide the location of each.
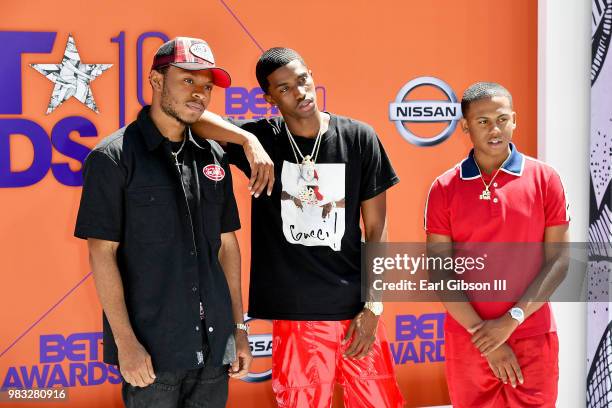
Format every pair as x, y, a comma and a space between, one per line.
517, 314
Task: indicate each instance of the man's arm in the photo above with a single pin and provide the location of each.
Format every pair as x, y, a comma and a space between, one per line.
495, 332
134, 361
460, 308
229, 257
363, 327
556, 262
212, 126
502, 361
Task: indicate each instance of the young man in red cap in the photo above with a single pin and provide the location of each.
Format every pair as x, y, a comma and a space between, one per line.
159, 215
329, 172
499, 354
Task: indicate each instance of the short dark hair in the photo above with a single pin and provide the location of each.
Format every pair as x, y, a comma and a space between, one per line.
482, 90
163, 69
271, 60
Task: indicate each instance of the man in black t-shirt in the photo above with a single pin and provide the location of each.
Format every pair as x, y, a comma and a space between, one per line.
159, 214
329, 171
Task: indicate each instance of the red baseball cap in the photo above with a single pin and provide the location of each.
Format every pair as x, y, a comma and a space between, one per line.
191, 54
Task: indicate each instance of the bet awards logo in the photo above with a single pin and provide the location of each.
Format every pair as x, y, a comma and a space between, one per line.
65, 361
404, 111
55, 144
418, 339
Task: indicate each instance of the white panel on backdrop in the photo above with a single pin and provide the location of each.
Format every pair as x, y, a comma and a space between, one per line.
563, 126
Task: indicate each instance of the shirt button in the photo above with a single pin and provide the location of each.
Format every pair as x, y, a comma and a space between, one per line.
192, 252
495, 200
194, 288
210, 329
494, 184
197, 328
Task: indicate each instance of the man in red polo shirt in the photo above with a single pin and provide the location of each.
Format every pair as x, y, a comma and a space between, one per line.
499, 354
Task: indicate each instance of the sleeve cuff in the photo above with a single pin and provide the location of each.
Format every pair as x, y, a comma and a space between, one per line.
556, 223
231, 227
438, 231
379, 189
85, 231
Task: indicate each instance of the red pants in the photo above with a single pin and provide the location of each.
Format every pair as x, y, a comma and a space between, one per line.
307, 360
471, 382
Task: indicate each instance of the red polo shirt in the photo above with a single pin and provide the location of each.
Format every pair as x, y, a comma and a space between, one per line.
526, 197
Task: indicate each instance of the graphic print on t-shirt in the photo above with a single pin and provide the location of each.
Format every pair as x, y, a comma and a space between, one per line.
312, 204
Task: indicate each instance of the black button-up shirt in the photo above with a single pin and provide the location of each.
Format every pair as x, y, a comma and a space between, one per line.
134, 194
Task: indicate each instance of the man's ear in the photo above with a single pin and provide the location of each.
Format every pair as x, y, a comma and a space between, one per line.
156, 79
513, 120
464, 125
269, 99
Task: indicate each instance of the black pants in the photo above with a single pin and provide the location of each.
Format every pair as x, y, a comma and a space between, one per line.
204, 387
200, 388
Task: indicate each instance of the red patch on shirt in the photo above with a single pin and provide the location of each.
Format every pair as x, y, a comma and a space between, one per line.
214, 172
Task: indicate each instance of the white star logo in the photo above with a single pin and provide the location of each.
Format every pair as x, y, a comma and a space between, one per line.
71, 78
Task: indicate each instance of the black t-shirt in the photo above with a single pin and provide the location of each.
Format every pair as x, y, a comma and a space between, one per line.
306, 237
169, 238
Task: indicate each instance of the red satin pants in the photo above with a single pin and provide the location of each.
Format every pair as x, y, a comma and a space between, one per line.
307, 360
471, 382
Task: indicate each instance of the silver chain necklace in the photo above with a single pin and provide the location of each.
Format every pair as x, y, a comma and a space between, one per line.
175, 154
307, 164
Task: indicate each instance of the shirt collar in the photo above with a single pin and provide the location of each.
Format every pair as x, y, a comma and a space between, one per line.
152, 135
514, 165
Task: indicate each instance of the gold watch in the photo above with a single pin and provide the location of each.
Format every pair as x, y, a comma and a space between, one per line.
374, 307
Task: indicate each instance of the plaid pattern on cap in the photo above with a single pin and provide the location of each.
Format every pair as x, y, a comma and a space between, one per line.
190, 54
193, 50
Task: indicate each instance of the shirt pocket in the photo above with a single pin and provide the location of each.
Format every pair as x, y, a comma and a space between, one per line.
152, 213
213, 200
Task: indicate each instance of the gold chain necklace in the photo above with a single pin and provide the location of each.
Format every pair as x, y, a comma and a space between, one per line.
486, 194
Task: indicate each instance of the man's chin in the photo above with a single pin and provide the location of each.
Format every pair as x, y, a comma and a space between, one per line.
189, 119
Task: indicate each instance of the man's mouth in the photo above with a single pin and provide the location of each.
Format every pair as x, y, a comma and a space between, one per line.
305, 104
198, 107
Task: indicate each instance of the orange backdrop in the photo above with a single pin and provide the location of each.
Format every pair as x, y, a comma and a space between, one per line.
361, 54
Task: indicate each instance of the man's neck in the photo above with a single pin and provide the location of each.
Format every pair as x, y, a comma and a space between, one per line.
308, 127
489, 164
169, 127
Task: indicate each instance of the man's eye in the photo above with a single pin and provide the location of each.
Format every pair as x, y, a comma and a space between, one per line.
189, 80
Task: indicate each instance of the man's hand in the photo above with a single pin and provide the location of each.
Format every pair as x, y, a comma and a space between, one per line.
505, 366
363, 332
327, 208
493, 333
262, 167
240, 367
135, 363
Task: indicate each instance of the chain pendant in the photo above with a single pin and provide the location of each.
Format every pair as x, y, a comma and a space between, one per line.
486, 194
307, 169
